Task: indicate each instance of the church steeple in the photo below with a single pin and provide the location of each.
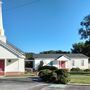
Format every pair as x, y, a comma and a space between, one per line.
2, 36
1, 21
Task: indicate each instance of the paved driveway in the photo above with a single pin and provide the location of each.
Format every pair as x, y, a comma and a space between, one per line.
28, 84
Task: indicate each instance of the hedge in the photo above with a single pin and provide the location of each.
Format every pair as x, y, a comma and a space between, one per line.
62, 76
76, 69
57, 76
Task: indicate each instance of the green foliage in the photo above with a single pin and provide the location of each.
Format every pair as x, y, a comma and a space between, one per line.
83, 48
45, 75
58, 76
54, 52
40, 65
78, 47
48, 67
53, 77
62, 76
87, 70
84, 31
29, 56
80, 73
76, 69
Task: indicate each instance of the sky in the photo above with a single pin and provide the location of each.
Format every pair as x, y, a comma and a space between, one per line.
40, 25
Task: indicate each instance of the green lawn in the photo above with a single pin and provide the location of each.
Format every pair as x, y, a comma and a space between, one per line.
82, 79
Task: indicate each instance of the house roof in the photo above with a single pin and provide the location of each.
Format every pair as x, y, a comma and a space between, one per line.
55, 56
12, 48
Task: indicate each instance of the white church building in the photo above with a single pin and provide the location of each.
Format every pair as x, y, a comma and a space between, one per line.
11, 58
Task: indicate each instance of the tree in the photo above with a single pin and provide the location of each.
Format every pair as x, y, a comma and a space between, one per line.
81, 48
40, 65
54, 52
78, 47
87, 48
29, 55
84, 31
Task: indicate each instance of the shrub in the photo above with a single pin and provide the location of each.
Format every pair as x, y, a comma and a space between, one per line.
45, 74
53, 77
64, 80
40, 65
58, 76
76, 69
48, 67
87, 70
62, 76
79, 73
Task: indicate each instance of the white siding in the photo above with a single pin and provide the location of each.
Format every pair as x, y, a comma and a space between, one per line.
68, 62
78, 63
4, 53
21, 65
12, 66
46, 61
16, 65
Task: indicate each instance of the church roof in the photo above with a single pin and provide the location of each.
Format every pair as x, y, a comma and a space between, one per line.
12, 49
55, 56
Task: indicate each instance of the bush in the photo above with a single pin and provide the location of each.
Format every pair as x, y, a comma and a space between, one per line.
40, 65
58, 76
76, 69
48, 76
62, 76
45, 74
53, 77
87, 70
47, 67
79, 73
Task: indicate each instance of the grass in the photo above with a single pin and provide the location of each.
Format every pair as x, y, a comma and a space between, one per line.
82, 79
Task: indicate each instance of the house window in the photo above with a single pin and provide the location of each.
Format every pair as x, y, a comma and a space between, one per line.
73, 63
82, 63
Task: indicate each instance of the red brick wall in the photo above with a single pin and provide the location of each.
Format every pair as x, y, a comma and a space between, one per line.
1, 73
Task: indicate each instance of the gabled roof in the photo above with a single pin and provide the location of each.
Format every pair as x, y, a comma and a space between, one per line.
55, 56
12, 49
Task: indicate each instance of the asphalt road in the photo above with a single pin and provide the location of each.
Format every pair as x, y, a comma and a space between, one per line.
29, 84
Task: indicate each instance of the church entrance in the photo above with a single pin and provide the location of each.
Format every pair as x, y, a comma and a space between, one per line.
2, 67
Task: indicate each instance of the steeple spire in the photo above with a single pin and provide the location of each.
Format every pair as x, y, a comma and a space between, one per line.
2, 36
1, 20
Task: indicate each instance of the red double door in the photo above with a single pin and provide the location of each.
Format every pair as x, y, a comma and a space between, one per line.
2, 67
62, 64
